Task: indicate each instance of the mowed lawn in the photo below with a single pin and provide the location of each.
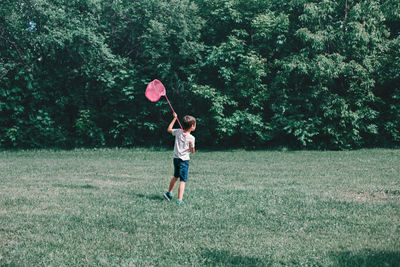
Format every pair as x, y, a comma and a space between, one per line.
249, 208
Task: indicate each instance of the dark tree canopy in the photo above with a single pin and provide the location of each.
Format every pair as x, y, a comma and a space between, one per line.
316, 74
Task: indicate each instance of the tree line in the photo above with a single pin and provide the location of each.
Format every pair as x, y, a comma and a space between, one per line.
316, 74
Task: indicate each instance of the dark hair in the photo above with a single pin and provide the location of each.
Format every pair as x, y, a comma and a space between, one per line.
188, 121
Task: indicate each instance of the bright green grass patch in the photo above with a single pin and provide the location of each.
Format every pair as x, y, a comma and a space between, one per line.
261, 208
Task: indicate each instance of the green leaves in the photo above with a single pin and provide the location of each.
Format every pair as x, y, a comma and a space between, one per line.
270, 32
320, 74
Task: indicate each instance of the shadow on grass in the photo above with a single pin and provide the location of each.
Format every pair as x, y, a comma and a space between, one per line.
150, 197
226, 258
10, 265
367, 257
75, 186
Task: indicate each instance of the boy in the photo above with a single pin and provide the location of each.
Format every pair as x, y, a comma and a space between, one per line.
184, 145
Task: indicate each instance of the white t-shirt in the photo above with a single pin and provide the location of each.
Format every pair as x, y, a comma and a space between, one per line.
182, 140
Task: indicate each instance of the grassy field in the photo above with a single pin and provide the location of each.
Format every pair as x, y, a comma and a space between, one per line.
260, 208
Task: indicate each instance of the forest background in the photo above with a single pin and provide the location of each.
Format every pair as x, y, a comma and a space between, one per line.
320, 74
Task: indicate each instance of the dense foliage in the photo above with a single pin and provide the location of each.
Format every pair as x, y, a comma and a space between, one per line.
316, 74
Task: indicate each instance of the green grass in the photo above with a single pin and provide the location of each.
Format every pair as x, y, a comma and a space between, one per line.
260, 208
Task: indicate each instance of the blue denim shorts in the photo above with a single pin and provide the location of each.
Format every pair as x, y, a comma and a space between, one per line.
181, 169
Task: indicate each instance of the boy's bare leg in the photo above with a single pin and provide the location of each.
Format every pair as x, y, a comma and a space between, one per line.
172, 184
181, 189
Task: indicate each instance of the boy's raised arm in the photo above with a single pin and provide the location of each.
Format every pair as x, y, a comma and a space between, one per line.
172, 123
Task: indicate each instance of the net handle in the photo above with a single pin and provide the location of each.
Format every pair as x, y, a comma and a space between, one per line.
173, 111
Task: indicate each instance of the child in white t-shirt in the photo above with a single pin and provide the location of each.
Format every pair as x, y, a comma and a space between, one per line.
184, 145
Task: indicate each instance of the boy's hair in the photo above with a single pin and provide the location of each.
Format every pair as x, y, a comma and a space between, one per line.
188, 121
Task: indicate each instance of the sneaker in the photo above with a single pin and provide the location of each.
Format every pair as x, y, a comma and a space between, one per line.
179, 202
168, 196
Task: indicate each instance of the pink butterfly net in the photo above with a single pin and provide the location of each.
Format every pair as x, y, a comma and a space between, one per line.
154, 91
